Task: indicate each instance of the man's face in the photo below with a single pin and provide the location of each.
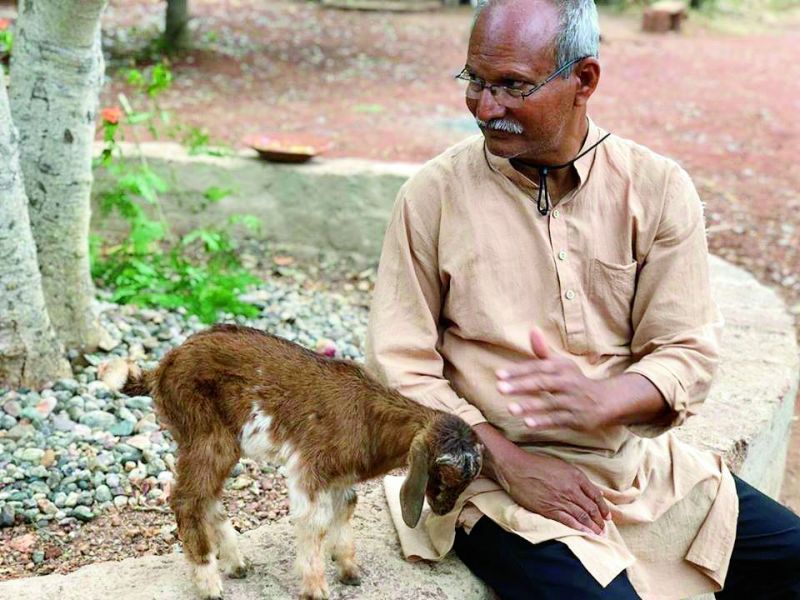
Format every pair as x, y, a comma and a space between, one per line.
513, 44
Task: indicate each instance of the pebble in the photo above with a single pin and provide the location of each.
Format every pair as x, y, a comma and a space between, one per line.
83, 513
33, 455
62, 422
103, 493
19, 432
98, 419
241, 482
141, 442
7, 515
12, 408
23, 543
122, 428
46, 406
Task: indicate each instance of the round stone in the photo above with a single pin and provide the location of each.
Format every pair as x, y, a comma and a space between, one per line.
98, 419
143, 403
122, 428
33, 455
62, 422
102, 494
7, 515
83, 513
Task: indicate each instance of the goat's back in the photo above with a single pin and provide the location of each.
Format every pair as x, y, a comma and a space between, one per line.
229, 375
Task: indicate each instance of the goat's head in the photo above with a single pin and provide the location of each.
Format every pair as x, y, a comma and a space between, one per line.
443, 460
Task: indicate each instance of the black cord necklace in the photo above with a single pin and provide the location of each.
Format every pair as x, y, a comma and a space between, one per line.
543, 199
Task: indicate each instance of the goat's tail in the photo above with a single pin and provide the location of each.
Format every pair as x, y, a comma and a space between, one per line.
123, 374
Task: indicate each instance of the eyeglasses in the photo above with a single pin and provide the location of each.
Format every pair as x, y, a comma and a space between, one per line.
510, 97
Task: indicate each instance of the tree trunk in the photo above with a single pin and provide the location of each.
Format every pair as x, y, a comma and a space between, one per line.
56, 73
176, 31
30, 353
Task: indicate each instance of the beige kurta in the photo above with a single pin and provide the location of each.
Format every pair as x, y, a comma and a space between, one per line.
616, 276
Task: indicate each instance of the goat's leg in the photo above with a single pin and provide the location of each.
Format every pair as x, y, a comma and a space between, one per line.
342, 544
231, 560
312, 519
202, 469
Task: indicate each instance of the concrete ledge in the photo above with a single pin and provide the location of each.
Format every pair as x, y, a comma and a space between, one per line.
341, 204
746, 418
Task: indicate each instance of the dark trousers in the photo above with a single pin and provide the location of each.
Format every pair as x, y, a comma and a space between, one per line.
765, 564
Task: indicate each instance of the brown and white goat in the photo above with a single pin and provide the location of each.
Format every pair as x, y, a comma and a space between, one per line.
233, 391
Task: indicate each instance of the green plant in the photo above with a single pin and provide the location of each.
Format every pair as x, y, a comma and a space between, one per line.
6, 41
199, 271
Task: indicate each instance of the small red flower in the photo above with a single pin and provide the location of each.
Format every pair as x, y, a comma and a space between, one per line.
111, 114
4, 24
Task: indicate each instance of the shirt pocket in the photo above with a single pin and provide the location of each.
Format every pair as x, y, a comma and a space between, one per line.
612, 289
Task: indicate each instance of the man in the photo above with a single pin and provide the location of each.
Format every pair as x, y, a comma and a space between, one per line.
549, 284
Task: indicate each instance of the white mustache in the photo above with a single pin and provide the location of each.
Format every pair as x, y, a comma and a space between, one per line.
507, 125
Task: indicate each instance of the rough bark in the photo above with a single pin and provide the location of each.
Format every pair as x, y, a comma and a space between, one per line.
30, 353
56, 73
176, 21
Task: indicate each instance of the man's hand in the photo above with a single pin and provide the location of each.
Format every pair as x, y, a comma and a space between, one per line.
561, 396
542, 484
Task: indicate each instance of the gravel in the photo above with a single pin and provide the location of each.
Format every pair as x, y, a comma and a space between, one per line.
76, 449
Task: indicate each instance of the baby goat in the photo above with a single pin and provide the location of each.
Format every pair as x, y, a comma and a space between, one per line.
233, 391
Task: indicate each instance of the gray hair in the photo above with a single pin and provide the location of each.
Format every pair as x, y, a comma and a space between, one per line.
578, 32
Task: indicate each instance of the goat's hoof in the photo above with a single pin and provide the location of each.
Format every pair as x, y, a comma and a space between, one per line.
208, 581
240, 571
350, 578
320, 594
349, 572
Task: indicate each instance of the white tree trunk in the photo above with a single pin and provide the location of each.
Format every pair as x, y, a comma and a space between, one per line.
30, 353
56, 73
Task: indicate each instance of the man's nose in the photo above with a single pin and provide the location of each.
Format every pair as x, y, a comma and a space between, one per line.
488, 108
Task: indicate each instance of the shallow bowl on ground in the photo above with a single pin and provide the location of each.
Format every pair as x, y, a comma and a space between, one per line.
287, 147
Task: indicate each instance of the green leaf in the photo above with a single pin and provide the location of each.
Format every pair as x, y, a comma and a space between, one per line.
251, 222
134, 77
109, 131
139, 117
160, 80
215, 194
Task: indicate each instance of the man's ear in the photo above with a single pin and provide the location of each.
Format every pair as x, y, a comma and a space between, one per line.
588, 76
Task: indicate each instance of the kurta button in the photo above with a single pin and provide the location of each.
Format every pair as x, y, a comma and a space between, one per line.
570, 294
556, 213
562, 255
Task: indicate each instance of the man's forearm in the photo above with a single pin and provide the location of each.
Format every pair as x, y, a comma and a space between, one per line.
634, 400
496, 451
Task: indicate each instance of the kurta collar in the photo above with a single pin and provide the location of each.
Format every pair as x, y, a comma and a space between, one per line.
583, 165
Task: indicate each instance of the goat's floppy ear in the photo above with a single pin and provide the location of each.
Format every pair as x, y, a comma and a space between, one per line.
412, 492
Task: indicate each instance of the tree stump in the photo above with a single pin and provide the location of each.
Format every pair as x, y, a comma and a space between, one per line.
664, 16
